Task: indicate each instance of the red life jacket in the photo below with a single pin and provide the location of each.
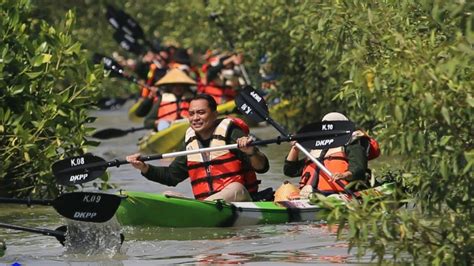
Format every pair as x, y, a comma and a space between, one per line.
221, 94
373, 149
335, 160
213, 171
171, 109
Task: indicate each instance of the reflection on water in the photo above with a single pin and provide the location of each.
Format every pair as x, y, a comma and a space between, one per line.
289, 243
279, 257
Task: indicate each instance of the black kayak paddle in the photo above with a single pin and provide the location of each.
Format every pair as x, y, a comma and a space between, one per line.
79, 206
85, 168
250, 103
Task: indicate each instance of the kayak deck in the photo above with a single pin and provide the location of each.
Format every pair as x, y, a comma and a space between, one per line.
149, 209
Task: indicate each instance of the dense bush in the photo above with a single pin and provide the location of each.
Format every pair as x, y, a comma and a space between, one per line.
401, 69
46, 88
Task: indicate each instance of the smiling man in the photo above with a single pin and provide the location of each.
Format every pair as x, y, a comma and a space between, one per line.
229, 175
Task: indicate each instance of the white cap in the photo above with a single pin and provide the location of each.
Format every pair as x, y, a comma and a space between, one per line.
334, 116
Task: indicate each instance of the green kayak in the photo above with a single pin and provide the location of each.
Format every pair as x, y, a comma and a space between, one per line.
171, 139
148, 209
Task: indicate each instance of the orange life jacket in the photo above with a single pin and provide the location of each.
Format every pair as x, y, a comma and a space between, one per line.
149, 80
171, 109
211, 172
335, 160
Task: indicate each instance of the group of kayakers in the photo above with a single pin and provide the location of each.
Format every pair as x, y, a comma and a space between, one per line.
172, 80
231, 174
177, 90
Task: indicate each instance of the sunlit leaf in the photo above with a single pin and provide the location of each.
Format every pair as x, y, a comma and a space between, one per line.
33, 75
445, 113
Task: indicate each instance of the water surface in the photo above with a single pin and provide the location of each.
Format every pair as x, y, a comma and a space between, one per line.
310, 243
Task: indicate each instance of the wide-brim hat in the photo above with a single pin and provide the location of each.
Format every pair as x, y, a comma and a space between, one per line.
175, 76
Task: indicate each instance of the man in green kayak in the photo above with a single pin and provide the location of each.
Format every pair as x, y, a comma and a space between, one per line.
229, 174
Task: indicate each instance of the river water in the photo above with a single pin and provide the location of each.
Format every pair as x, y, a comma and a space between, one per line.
305, 243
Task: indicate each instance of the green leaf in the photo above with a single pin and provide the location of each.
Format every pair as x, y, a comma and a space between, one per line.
443, 169
370, 16
74, 49
470, 101
445, 140
62, 113
33, 75
398, 114
41, 59
26, 155
41, 48
18, 89
445, 113
429, 98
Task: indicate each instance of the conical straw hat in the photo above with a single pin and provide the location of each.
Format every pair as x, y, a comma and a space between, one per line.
175, 76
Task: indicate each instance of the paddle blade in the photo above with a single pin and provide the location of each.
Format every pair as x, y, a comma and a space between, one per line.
119, 36
109, 133
87, 206
326, 134
109, 64
78, 170
128, 42
111, 15
61, 236
252, 104
124, 22
127, 45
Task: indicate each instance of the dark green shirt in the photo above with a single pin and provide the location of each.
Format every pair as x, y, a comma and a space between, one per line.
356, 155
177, 171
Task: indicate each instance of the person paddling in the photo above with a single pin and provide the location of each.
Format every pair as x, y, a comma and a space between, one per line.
229, 175
152, 68
173, 103
221, 77
347, 163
